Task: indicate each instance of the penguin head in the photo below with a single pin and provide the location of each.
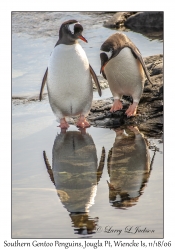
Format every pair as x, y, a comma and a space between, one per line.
105, 55
107, 52
70, 32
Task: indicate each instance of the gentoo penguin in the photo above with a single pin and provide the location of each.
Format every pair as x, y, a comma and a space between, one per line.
68, 76
129, 167
122, 65
75, 174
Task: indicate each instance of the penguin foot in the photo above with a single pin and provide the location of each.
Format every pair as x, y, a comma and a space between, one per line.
82, 122
116, 106
63, 124
132, 110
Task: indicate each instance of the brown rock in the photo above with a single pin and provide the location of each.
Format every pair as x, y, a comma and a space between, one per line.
148, 23
117, 19
148, 19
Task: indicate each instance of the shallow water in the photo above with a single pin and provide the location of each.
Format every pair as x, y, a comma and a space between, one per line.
73, 200
31, 47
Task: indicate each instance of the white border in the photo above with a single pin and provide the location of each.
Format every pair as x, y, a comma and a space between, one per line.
5, 93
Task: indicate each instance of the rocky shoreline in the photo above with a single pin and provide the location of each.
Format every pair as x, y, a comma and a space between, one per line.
134, 20
148, 23
149, 118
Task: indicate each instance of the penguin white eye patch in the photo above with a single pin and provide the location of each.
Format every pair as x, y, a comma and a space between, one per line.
109, 53
71, 27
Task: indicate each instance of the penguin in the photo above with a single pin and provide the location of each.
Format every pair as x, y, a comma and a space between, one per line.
129, 167
123, 67
75, 173
69, 77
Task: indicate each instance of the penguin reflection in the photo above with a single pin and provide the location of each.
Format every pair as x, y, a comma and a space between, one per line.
128, 167
75, 175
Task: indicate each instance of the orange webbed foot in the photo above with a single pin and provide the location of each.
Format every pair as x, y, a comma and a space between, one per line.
132, 110
117, 105
63, 124
82, 122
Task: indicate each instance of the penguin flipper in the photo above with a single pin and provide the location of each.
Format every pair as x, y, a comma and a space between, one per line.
43, 84
101, 165
95, 80
48, 166
138, 55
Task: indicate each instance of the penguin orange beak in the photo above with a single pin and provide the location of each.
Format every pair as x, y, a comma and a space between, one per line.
102, 68
83, 38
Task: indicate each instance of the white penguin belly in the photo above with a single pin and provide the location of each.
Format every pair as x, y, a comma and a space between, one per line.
69, 81
125, 75
74, 169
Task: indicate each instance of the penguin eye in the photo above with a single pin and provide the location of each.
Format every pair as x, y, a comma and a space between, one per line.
71, 27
